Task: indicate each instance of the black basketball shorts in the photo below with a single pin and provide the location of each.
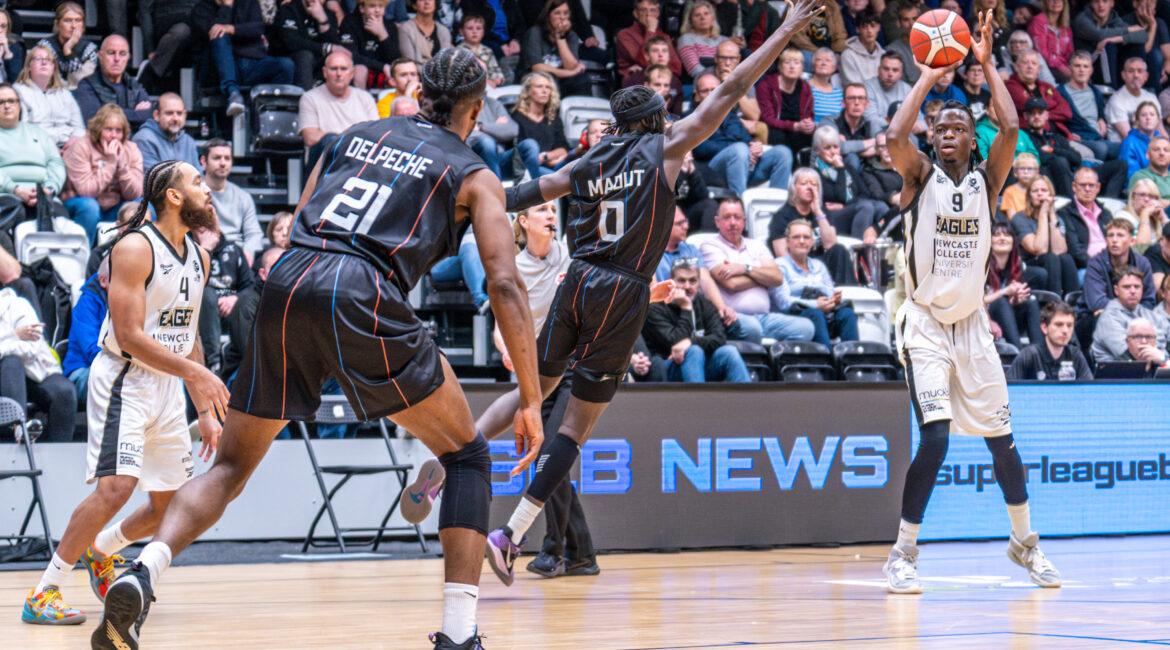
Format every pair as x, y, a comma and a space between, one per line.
328, 315
595, 320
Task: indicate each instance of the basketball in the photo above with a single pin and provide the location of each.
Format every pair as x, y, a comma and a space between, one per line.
939, 38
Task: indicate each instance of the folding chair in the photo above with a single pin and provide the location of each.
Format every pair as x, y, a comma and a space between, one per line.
12, 414
336, 410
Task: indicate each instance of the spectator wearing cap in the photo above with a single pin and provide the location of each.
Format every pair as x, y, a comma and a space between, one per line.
1057, 158
1052, 359
1110, 337
863, 53
1159, 257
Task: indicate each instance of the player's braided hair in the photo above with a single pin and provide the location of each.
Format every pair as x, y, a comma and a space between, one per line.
452, 76
627, 99
955, 105
158, 180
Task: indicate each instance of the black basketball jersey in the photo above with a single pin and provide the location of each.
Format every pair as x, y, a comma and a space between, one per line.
387, 193
622, 207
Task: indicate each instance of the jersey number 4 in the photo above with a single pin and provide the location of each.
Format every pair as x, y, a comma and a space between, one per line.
619, 222
345, 209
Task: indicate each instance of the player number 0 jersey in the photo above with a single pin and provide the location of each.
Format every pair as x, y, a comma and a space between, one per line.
174, 292
948, 244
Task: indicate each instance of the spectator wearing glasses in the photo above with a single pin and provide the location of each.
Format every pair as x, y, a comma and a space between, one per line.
689, 335
44, 99
11, 49
76, 57
1112, 338
1025, 167
747, 109
1052, 359
1084, 219
812, 290
111, 85
28, 158
1146, 211
858, 132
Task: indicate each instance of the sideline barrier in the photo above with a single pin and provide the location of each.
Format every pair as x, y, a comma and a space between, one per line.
700, 466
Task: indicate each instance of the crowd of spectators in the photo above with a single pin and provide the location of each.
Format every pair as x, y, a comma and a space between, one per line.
1073, 280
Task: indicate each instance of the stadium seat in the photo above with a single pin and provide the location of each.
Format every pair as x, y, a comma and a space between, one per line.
865, 361
67, 247
507, 95
276, 126
335, 409
802, 361
1045, 297
577, 111
12, 415
756, 358
873, 318
1007, 353
759, 204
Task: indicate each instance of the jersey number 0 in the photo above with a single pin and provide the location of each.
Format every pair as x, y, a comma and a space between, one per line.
344, 208
619, 221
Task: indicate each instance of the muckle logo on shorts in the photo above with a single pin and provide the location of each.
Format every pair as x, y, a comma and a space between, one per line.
933, 401
129, 455
188, 465
1004, 415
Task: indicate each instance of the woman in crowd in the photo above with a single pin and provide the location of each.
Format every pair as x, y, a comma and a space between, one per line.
541, 143
1041, 235
1145, 209
1015, 197
1008, 296
699, 37
44, 98
11, 49
279, 230
1001, 27
1051, 31
29, 370
804, 202
1018, 41
849, 209
103, 170
28, 159
786, 103
827, 98
1137, 142
76, 57
551, 47
421, 37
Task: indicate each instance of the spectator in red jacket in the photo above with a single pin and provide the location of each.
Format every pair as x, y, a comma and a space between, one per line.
786, 104
631, 41
1051, 33
1025, 84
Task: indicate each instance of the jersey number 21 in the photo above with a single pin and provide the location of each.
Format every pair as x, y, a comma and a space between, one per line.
344, 208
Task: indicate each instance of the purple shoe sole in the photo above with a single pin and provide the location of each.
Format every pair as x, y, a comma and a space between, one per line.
419, 496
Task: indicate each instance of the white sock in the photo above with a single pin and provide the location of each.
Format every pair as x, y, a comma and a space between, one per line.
156, 557
1021, 520
459, 602
907, 535
55, 574
111, 540
522, 519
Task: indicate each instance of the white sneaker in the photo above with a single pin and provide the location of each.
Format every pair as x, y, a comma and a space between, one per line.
1027, 554
902, 571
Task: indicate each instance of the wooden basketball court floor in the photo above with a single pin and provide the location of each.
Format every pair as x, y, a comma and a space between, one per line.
1116, 594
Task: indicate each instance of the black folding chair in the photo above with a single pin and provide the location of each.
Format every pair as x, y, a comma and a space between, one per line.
336, 410
12, 414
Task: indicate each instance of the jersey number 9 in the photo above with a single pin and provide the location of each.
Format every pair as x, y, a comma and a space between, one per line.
344, 209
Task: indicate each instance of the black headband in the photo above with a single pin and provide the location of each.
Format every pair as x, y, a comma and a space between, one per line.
645, 109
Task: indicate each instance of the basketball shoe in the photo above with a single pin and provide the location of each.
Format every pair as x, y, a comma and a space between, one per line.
127, 604
47, 608
501, 554
1027, 554
902, 571
586, 567
101, 570
421, 494
547, 565
443, 642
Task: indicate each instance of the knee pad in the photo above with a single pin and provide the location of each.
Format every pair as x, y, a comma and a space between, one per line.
1009, 469
467, 492
593, 387
553, 465
934, 439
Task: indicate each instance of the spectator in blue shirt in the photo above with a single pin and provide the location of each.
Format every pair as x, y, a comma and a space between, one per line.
946, 90
810, 288
84, 328
733, 155
1137, 141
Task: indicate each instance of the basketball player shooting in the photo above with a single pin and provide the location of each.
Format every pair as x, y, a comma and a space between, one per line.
618, 227
336, 305
956, 381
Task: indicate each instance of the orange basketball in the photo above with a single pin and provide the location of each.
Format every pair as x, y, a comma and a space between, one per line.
939, 38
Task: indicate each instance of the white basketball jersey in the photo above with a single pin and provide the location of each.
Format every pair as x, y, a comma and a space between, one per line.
948, 244
174, 292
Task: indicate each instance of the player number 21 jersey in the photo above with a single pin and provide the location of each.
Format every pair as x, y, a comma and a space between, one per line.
948, 244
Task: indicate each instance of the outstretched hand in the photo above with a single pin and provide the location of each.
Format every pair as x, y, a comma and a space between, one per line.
932, 75
800, 13
982, 48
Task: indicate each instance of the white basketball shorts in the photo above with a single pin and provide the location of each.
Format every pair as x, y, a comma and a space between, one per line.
953, 371
137, 425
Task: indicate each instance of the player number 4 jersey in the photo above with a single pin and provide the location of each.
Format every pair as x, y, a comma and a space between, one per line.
174, 292
948, 244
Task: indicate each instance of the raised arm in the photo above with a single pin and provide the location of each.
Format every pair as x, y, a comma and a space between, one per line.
482, 199
911, 163
998, 161
688, 132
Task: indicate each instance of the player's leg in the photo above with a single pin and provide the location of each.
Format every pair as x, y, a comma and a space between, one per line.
444, 424
1023, 544
101, 556
550, 562
44, 605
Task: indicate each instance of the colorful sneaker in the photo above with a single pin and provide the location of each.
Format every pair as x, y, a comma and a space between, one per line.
547, 565
501, 554
902, 571
586, 567
443, 642
101, 570
127, 603
421, 494
1027, 554
47, 608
